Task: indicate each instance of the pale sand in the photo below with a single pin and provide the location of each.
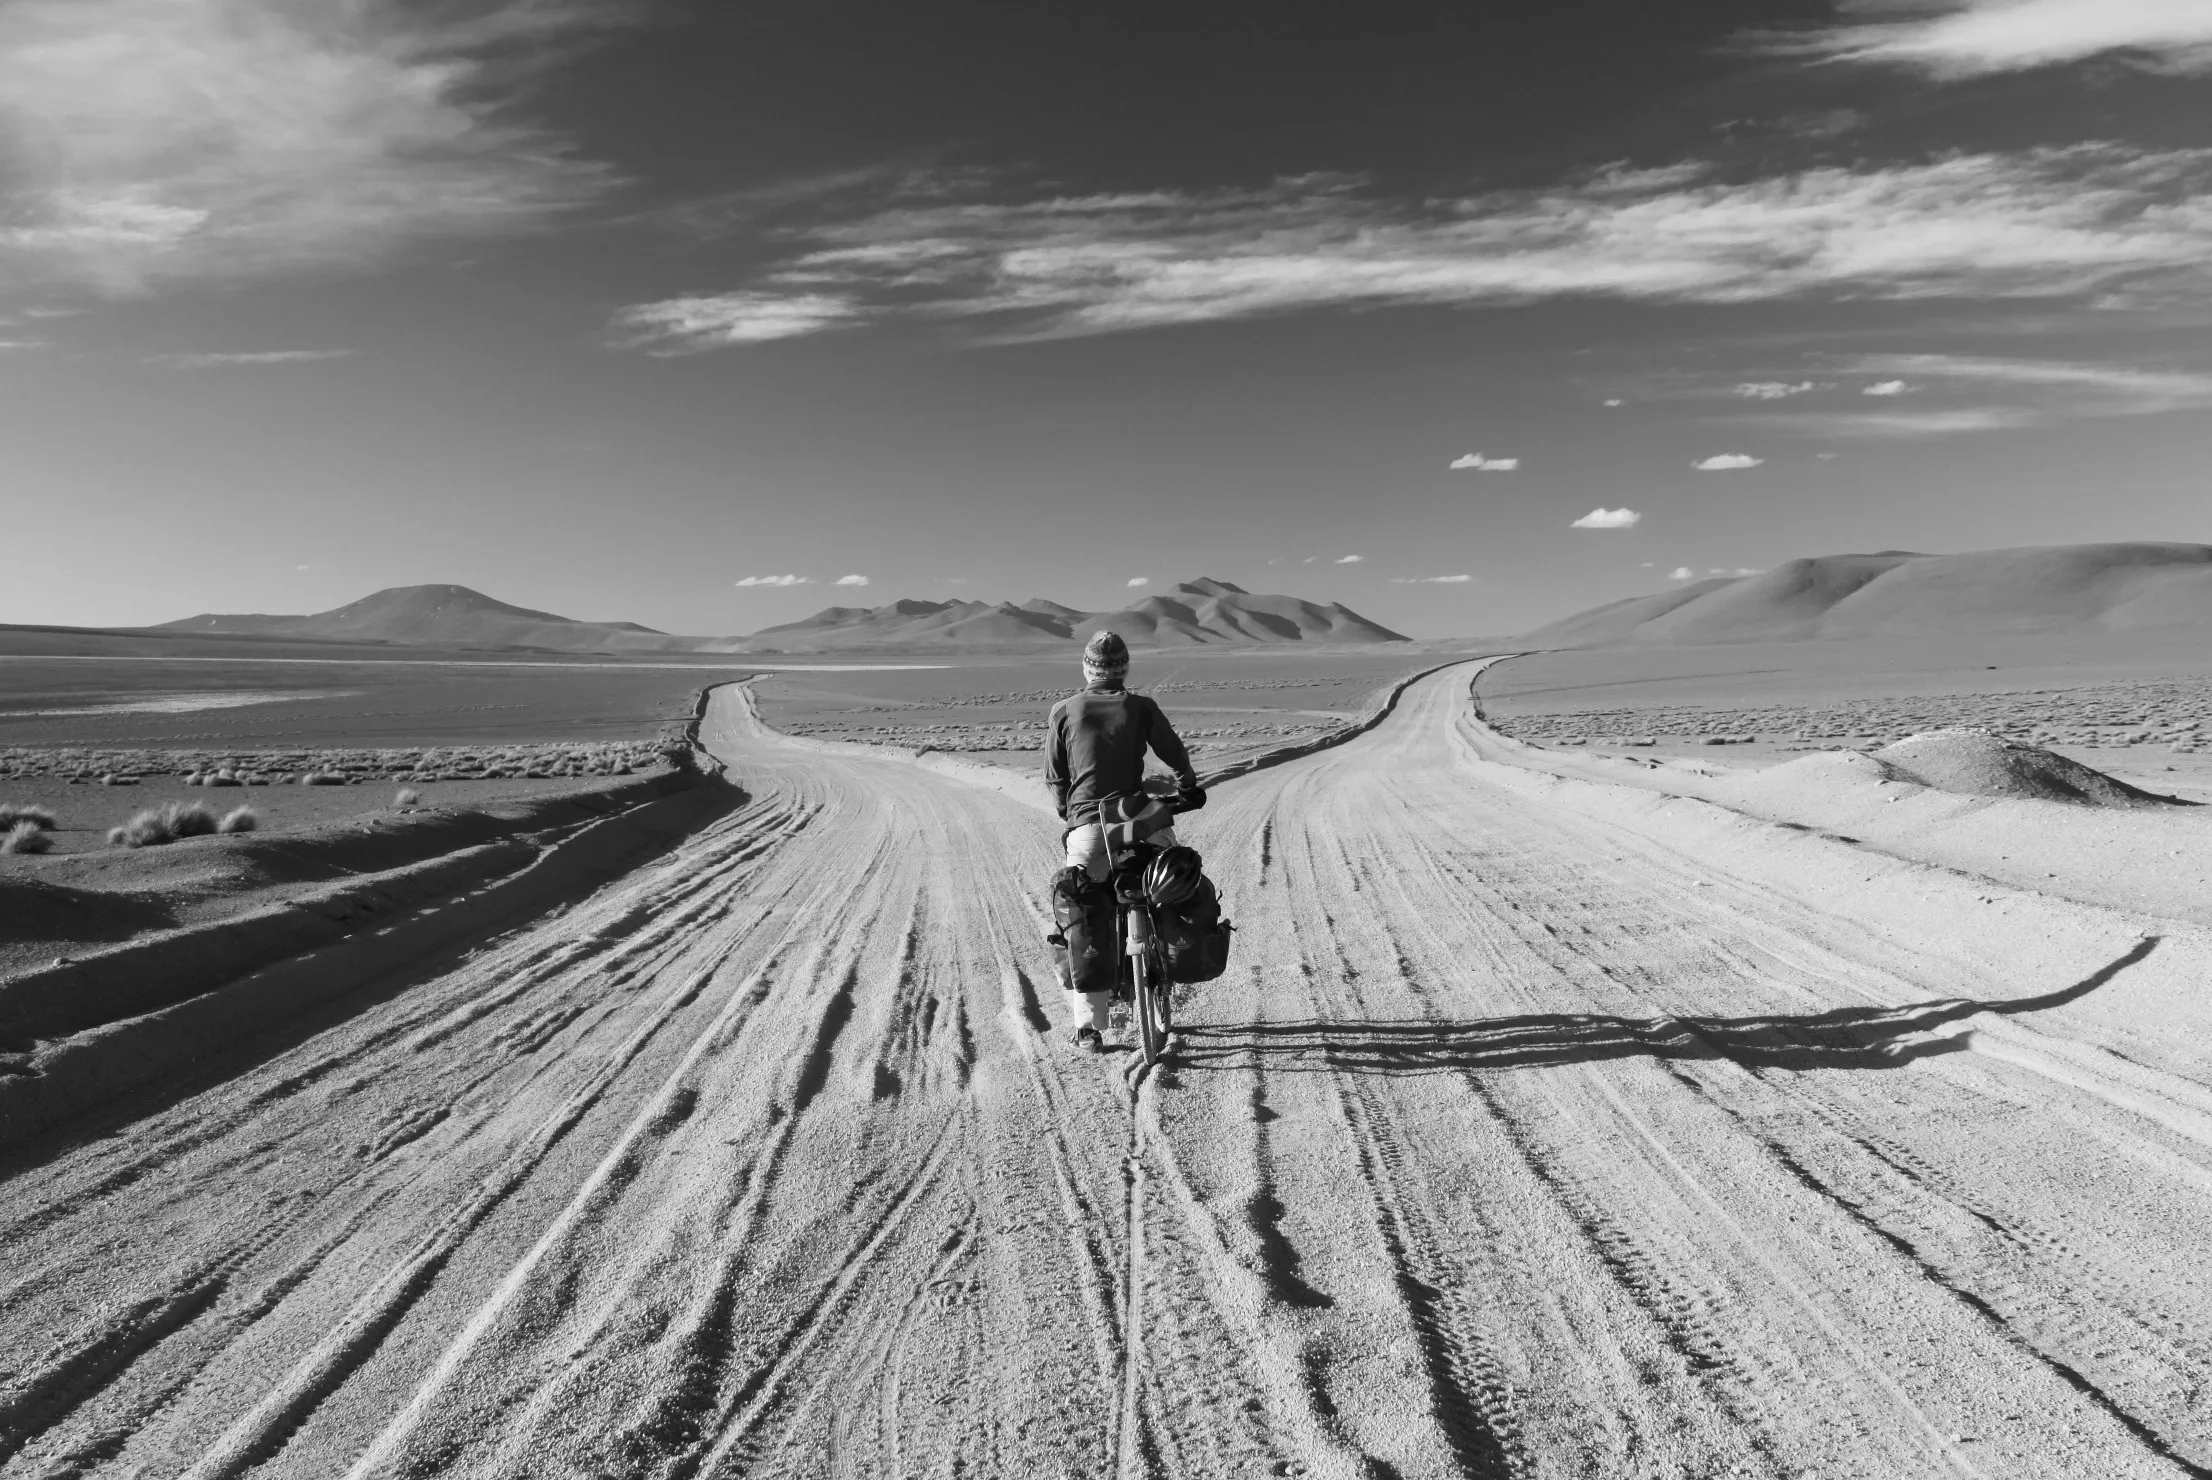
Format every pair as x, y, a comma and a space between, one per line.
1547, 1124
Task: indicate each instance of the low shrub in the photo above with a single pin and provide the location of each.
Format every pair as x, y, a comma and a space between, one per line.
15, 814
174, 821
222, 778
407, 797
188, 819
238, 820
323, 778
26, 837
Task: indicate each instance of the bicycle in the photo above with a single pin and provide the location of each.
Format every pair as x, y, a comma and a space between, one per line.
1140, 974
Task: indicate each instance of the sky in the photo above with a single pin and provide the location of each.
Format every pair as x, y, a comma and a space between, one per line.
707, 315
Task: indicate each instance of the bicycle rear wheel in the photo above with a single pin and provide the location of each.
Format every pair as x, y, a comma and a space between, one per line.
1155, 1016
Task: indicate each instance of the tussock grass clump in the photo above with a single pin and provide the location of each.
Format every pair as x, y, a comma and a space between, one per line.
14, 814
174, 821
222, 778
239, 820
407, 797
26, 837
323, 778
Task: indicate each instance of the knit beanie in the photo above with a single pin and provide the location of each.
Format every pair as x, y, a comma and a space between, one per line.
1105, 658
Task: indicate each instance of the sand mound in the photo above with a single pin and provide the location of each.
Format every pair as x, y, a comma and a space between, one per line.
1983, 763
2125, 587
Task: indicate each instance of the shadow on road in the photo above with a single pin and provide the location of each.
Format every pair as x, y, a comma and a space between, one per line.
1841, 1038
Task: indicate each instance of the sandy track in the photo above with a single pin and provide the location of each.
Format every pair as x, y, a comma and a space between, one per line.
1517, 1142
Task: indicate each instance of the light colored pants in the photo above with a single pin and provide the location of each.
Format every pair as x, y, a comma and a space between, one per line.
1087, 851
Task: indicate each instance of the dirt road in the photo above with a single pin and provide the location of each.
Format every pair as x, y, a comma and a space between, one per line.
1517, 1142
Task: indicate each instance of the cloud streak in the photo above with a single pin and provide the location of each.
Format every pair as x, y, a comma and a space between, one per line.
1726, 462
248, 357
1602, 518
1475, 462
2082, 221
2003, 394
852, 580
1973, 38
168, 140
682, 326
775, 581
1458, 580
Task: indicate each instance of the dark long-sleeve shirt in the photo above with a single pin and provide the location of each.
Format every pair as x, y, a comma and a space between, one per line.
1095, 745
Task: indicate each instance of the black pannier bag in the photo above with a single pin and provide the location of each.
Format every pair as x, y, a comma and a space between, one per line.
1193, 936
1084, 912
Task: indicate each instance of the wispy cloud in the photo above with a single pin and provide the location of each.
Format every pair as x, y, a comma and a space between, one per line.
1725, 462
1140, 580
1682, 573
852, 580
2003, 394
2116, 389
247, 357
774, 581
1969, 38
1775, 390
1458, 580
12, 345
1608, 519
2073, 222
1476, 462
1349, 559
682, 326
184, 139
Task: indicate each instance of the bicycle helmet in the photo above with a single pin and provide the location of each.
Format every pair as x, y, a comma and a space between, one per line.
1173, 877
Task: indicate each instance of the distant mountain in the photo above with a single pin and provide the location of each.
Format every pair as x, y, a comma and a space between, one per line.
455, 616
1200, 611
1895, 593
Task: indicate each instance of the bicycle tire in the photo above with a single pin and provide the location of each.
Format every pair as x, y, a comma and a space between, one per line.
1155, 1017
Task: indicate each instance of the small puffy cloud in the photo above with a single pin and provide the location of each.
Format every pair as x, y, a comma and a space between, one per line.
1140, 580
1476, 462
1602, 518
1349, 559
1886, 388
773, 581
852, 580
1722, 462
1458, 580
1681, 573
248, 358
1774, 390
1614, 401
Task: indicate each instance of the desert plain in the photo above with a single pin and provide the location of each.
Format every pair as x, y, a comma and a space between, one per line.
1572, 1106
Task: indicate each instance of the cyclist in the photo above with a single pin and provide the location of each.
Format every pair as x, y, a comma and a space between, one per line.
1094, 763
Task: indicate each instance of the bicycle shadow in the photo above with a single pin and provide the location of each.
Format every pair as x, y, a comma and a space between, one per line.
1840, 1038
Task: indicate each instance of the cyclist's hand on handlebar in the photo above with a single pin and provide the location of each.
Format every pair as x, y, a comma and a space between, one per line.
1190, 798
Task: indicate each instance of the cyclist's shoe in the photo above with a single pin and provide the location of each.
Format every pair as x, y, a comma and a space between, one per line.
1087, 1040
